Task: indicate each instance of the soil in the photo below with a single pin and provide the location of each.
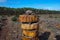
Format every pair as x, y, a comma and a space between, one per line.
47, 30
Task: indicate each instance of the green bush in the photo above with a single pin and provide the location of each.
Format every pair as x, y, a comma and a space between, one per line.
14, 18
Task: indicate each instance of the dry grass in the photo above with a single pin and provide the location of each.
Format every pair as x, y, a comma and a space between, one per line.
12, 30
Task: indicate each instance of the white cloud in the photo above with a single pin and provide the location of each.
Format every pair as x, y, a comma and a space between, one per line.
3, 0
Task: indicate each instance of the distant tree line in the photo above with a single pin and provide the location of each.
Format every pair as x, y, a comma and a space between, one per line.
18, 11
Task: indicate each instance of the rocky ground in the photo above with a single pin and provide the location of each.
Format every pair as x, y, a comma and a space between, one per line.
47, 29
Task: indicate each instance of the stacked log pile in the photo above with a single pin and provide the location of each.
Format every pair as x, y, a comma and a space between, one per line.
29, 27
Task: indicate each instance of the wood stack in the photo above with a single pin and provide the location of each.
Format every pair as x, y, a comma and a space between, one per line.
28, 18
29, 27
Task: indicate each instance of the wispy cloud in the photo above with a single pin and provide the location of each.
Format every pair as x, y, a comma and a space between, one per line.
3, 0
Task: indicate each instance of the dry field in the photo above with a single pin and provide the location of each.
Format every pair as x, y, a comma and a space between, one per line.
48, 29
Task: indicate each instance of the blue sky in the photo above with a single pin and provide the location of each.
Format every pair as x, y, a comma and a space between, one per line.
40, 4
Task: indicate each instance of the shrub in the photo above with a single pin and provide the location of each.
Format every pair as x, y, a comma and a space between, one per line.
14, 18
